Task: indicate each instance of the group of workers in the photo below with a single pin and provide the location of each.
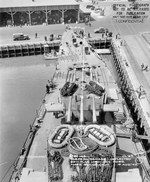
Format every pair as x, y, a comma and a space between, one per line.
49, 86
140, 91
144, 68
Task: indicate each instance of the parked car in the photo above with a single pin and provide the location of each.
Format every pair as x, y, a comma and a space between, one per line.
20, 36
101, 30
89, 6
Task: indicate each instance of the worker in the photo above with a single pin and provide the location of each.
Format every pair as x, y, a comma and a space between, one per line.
142, 66
134, 138
30, 128
129, 124
50, 82
45, 38
23, 150
121, 43
146, 68
140, 91
47, 89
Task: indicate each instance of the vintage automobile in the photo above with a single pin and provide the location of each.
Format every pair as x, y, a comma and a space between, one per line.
20, 36
101, 30
89, 6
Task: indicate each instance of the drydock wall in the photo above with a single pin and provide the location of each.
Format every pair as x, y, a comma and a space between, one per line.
129, 84
24, 49
100, 43
18, 50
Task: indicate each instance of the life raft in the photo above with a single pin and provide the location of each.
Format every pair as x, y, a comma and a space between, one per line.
60, 136
102, 135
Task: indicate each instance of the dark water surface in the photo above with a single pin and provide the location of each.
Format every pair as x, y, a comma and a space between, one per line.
22, 88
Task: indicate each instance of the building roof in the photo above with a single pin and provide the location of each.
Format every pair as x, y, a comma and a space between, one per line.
32, 3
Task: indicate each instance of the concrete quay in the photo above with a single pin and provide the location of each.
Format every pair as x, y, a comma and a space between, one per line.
36, 48
134, 82
146, 36
138, 52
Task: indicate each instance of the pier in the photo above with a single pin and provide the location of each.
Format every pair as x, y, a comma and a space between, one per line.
37, 48
18, 50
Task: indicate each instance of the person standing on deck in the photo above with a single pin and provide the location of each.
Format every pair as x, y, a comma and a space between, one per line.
47, 89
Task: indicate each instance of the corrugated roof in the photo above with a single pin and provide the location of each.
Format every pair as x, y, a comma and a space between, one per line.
31, 3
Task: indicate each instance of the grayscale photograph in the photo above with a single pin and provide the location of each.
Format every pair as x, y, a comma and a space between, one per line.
74, 90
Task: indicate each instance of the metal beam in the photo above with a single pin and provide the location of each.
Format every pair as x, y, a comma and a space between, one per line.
69, 110
81, 110
94, 111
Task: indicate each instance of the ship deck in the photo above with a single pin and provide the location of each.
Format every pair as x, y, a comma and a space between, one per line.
37, 157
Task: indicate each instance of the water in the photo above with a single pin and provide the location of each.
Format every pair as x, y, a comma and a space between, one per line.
22, 88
